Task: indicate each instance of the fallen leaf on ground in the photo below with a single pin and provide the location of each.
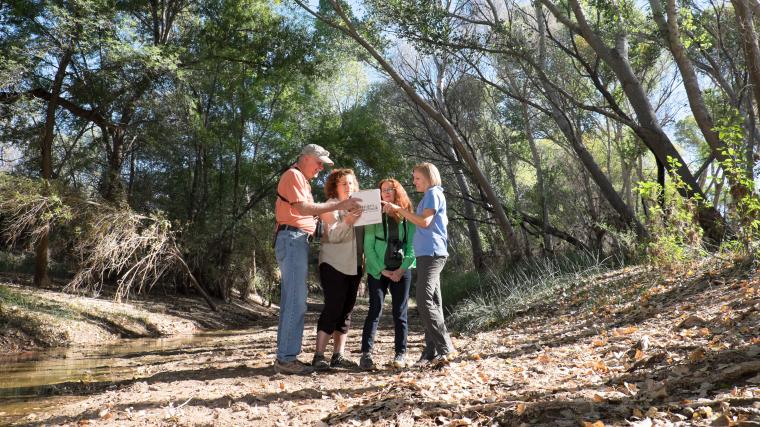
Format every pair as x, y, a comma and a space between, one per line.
691, 322
520, 408
697, 355
625, 331
600, 367
723, 421
631, 388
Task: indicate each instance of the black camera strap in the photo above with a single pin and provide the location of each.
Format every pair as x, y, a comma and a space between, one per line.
385, 229
283, 197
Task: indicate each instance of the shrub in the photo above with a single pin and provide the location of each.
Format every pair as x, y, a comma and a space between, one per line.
456, 286
534, 281
676, 234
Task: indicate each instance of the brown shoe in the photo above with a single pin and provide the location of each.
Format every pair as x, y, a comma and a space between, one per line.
294, 367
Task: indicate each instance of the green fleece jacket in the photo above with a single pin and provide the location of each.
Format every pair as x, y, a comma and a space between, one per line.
375, 245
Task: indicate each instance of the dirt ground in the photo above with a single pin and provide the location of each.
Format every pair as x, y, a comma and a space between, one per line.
636, 346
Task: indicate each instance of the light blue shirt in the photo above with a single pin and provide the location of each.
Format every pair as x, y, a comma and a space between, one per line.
432, 241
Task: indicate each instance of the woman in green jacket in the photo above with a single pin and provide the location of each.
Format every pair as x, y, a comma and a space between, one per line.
389, 256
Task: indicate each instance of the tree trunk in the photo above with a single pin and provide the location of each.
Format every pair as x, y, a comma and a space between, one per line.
114, 187
541, 189
469, 211
718, 189
745, 23
750, 123
626, 167
627, 184
41, 249
513, 181
593, 210
640, 178
528, 219
661, 182
472, 227
132, 169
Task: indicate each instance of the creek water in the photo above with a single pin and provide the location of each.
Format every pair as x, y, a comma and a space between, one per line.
40, 380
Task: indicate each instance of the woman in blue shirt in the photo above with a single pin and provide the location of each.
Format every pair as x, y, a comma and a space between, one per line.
430, 248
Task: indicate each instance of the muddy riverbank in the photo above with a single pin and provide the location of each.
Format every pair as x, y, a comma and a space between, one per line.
33, 319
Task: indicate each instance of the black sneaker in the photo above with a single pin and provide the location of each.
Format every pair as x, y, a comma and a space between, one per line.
339, 361
366, 363
319, 362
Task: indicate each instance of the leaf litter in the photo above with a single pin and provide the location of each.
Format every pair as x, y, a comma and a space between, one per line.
684, 351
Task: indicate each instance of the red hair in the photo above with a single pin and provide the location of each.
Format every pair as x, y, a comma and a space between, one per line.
400, 197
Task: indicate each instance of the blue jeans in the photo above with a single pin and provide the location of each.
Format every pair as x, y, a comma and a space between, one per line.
400, 302
292, 252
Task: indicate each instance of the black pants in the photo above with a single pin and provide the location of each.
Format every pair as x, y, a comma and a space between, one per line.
340, 297
378, 288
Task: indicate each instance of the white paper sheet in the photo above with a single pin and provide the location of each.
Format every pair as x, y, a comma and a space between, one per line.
372, 211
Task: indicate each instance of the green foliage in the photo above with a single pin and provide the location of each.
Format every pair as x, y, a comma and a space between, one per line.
349, 134
458, 285
18, 262
676, 235
690, 136
691, 32
747, 212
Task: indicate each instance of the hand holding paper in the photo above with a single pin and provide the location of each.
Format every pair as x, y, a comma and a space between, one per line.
352, 216
371, 212
389, 207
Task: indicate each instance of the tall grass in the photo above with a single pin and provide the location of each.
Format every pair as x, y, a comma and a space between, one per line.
504, 294
457, 286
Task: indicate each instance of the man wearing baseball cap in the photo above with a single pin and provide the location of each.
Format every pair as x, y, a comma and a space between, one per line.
295, 213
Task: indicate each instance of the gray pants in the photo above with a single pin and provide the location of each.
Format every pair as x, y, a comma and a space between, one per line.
430, 306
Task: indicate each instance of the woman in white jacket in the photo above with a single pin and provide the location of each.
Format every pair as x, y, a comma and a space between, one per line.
340, 271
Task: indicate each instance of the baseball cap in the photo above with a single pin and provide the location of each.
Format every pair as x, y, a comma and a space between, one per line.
318, 152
